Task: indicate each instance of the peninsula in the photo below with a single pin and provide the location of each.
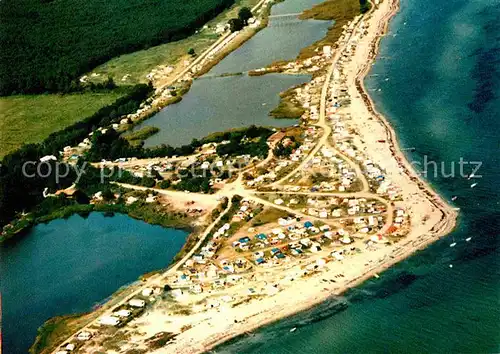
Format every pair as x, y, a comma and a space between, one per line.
299, 214
296, 228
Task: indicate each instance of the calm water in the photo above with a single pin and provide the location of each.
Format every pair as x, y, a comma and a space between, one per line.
67, 266
442, 59
221, 103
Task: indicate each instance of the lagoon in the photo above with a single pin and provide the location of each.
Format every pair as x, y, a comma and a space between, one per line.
68, 266
216, 103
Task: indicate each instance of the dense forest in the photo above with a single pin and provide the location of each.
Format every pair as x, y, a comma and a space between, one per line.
47, 44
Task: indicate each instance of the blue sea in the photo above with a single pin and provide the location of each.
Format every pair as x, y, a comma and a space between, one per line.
437, 80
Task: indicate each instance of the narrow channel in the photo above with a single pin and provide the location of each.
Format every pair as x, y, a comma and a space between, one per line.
216, 103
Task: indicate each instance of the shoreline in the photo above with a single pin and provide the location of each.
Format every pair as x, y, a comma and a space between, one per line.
314, 296
445, 225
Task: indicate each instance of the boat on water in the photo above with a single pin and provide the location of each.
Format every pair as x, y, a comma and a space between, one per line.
453, 244
468, 239
293, 329
473, 185
376, 275
454, 198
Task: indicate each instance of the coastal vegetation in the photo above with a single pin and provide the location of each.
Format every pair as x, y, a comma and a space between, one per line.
48, 45
341, 11
239, 40
140, 135
288, 107
285, 148
56, 328
252, 141
22, 194
111, 145
138, 64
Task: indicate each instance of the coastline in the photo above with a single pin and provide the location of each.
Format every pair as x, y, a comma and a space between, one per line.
444, 226
312, 297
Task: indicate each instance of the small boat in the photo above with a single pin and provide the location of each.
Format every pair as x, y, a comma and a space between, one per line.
293, 329
473, 185
468, 239
451, 265
453, 244
454, 198
376, 275
456, 209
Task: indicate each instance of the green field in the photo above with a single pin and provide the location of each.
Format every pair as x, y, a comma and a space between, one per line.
140, 63
30, 119
47, 44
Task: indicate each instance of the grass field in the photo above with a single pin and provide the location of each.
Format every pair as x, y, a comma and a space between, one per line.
140, 63
30, 119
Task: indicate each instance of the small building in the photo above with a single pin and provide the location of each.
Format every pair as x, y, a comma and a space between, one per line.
137, 303
70, 347
84, 335
109, 320
261, 237
315, 247
245, 239
48, 158
260, 261
305, 242
122, 313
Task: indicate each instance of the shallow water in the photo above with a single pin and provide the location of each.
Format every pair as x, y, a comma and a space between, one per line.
441, 59
68, 266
